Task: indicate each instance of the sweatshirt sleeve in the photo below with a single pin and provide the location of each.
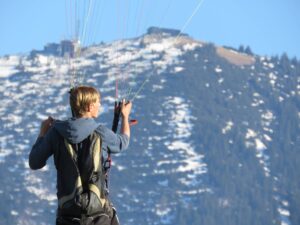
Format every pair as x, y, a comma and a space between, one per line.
114, 142
41, 151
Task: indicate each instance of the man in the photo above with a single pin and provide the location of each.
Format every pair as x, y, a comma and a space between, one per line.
75, 145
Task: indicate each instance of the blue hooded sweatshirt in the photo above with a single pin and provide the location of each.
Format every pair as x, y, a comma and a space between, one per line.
74, 130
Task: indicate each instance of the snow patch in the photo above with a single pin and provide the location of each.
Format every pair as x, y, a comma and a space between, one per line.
156, 122
250, 134
14, 213
180, 132
268, 116
283, 212
260, 145
228, 127
178, 69
4, 153
8, 66
220, 81
218, 70
191, 46
267, 137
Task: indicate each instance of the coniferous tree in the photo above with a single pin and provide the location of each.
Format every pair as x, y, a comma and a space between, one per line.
294, 61
248, 50
285, 62
241, 48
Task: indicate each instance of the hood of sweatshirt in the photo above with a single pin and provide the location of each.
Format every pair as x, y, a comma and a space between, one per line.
75, 130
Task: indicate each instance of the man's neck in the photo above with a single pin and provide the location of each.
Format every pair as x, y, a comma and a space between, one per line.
86, 116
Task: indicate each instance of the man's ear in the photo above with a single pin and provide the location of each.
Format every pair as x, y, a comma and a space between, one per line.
89, 107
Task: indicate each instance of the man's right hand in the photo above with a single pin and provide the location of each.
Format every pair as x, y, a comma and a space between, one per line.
126, 109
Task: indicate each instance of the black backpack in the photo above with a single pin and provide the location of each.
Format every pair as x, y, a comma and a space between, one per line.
84, 193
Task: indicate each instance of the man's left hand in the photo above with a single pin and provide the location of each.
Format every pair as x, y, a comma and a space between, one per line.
46, 124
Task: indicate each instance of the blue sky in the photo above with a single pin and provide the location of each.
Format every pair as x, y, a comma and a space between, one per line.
269, 27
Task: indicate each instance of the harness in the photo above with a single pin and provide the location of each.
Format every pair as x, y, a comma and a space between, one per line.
108, 161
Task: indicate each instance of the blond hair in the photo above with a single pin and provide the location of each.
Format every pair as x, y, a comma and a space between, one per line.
81, 97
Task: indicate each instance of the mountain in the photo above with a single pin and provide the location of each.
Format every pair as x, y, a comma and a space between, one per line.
217, 140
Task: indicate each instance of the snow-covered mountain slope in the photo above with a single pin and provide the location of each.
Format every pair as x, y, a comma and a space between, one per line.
216, 141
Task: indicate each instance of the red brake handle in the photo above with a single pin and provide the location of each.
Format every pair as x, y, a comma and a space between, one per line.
133, 122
